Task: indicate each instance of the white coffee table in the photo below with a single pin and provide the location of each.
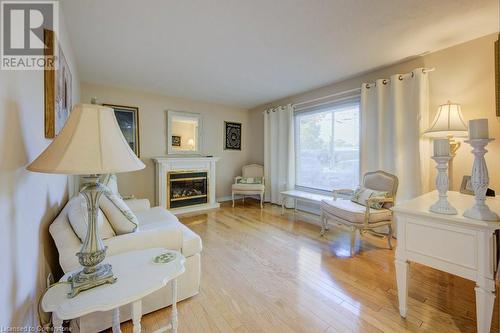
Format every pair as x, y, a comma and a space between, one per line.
137, 277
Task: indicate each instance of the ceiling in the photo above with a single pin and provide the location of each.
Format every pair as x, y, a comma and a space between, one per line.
248, 52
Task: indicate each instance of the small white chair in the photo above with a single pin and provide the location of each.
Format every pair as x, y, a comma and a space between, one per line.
250, 171
363, 217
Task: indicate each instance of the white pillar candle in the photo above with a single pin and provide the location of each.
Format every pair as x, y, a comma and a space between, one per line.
441, 147
478, 129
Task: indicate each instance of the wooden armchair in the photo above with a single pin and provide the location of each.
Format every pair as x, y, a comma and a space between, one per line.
363, 217
257, 187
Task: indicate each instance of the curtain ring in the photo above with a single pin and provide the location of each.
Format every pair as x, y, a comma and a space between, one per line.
384, 81
400, 77
423, 70
412, 74
367, 86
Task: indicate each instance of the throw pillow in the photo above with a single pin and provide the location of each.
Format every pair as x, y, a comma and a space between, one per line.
362, 194
120, 216
78, 219
249, 180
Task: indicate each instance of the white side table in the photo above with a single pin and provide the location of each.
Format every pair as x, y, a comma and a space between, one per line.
137, 277
451, 243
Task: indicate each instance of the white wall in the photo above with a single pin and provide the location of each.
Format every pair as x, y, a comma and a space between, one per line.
28, 201
153, 137
464, 73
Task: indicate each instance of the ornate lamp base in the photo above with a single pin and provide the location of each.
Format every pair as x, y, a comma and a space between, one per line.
83, 281
93, 251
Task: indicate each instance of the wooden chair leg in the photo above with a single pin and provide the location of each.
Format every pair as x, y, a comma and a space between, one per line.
261, 200
323, 222
232, 196
389, 237
353, 241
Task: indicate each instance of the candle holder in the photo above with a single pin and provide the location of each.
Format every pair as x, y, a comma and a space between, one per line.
442, 206
480, 181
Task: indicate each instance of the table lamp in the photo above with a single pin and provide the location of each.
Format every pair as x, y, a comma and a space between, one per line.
90, 144
450, 124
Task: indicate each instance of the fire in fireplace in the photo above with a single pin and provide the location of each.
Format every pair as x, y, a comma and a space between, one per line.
186, 188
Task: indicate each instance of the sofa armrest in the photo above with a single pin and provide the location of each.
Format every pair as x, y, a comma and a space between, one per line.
137, 205
169, 237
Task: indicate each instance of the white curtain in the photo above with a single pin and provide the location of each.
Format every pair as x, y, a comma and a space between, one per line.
394, 113
279, 152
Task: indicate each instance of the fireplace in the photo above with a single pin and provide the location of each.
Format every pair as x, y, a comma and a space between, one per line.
178, 167
187, 188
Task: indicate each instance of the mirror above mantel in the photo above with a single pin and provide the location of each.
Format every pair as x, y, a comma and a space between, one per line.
184, 133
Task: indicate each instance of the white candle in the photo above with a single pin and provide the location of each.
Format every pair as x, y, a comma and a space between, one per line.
441, 147
478, 129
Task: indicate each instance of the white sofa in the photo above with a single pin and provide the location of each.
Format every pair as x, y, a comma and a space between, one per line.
158, 228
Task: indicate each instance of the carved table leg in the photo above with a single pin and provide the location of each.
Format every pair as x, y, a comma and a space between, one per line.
116, 321
57, 323
136, 316
174, 319
485, 283
485, 300
402, 282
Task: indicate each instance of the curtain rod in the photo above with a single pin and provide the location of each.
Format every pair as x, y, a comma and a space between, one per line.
424, 70
385, 81
328, 96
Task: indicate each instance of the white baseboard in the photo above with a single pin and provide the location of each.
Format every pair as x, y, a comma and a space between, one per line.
225, 198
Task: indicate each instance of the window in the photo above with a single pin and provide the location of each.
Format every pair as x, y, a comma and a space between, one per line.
327, 147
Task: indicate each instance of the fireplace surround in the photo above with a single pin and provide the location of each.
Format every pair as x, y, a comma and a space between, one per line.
185, 184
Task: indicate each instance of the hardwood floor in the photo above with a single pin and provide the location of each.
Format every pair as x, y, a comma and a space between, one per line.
262, 272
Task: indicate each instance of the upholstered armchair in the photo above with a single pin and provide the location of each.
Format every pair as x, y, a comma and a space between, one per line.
367, 210
251, 182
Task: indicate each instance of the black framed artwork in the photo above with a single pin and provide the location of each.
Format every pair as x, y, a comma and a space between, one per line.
232, 136
128, 120
176, 141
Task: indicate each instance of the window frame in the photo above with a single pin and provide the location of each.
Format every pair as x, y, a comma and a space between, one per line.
323, 107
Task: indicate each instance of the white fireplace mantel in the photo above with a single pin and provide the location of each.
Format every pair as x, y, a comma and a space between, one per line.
165, 164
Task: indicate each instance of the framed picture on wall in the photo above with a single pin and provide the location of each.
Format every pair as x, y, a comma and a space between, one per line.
128, 120
466, 186
176, 141
57, 86
232, 135
497, 75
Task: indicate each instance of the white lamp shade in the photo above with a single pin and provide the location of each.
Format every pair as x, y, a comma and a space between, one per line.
91, 142
448, 122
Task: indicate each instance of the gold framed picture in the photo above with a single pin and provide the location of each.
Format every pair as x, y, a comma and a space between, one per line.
128, 120
57, 86
497, 75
